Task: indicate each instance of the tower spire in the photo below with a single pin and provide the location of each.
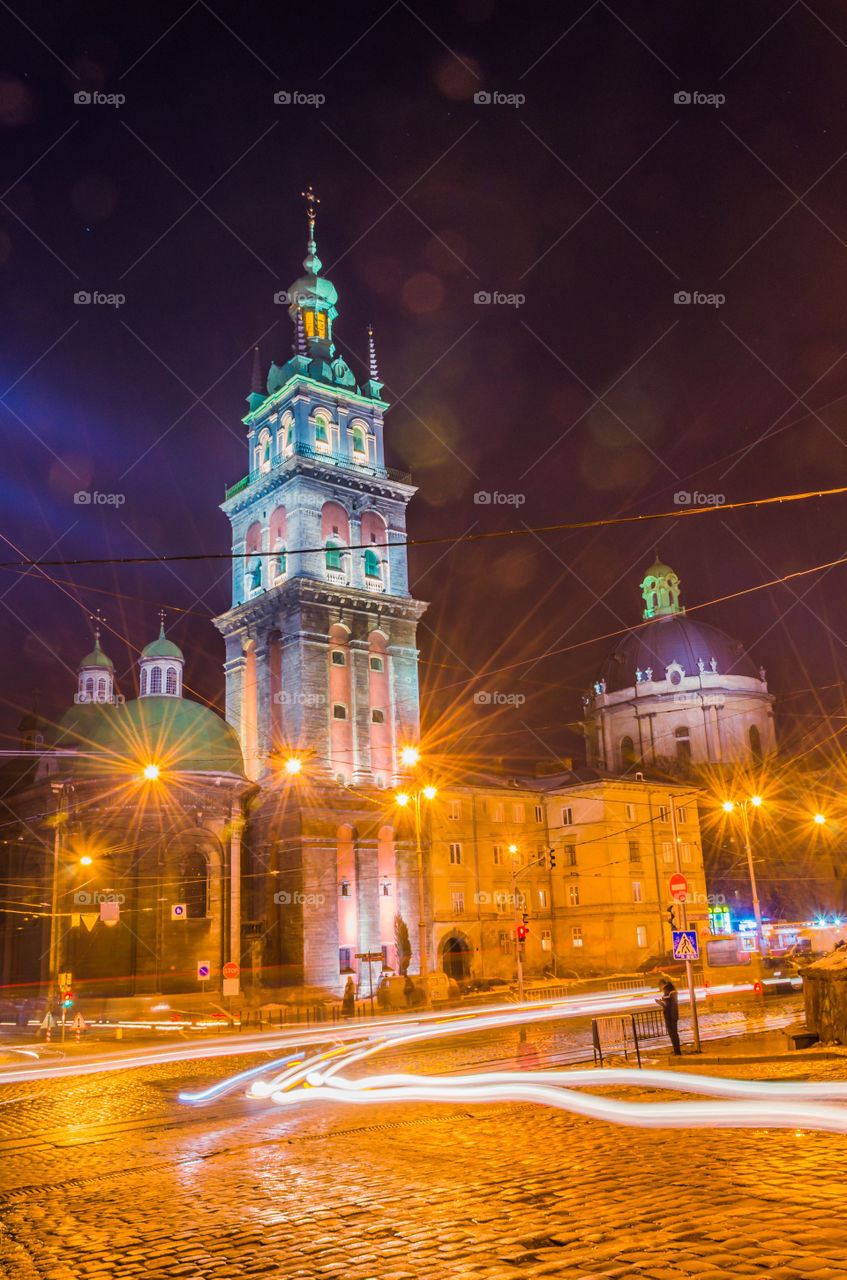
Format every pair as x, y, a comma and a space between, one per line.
373, 387
258, 391
311, 262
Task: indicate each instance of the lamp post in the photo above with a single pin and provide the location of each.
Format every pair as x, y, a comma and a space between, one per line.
513, 850
409, 756
689, 973
728, 806
60, 791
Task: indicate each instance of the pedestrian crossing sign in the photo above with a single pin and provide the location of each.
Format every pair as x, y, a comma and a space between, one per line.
685, 945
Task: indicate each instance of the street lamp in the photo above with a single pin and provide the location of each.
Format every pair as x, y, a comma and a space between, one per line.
729, 806
414, 798
293, 765
150, 772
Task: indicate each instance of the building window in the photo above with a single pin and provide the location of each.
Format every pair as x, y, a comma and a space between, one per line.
457, 899
339, 711
454, 810
683, 743
567, 817
636, 891
344, 889
376, 664
333, 557
497, 813
373, 568
576, 935
684, 851
194, 885
156, 680
630, 813
345, 959
664, 813
518, 813
386, 889
755, 742
501, 901
569, 855
542, 897
628, 760
641, 935
339, 658
539, 813
359, 445
546, 940
499, 855
504, 941
634, 851
573, 895
170, 680
279, 566
321, 435
682, 815
377, 716
143, 682
667, 850
455, 854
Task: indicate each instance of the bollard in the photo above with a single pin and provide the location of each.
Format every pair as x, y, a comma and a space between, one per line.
119, 1033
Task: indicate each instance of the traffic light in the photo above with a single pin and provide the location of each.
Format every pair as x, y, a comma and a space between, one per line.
521, 932
67, 999
672, 915
552, 859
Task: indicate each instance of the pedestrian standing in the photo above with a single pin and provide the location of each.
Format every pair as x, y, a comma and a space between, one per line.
348, 1000
527, 1054
669, 1003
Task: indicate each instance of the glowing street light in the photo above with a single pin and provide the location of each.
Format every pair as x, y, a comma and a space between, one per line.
293, 765
409, 756
819, 819
150, 772
85, 861
430, 793
402, 799
756, 800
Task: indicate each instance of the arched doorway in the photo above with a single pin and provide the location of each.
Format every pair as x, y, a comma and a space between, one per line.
456, 957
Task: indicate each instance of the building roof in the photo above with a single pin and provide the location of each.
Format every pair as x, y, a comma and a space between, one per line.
174, 733
161, 647
97, 658
675, 638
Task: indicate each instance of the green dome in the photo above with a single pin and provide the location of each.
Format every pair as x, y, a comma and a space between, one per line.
97, 658
162, 648
177, 735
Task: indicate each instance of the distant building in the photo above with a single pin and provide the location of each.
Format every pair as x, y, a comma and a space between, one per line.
676, 693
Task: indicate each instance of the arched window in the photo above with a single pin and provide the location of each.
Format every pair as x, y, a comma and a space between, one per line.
101, 688
683, 743
194, 885
755, 742
628, 759
373, 568
170, 680
279, 566
265, 451
289, 438
359, 445
143, 682
321, 435
89, 686
333, 557
156, 680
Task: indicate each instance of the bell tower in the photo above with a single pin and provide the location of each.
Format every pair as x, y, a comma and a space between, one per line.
321, 634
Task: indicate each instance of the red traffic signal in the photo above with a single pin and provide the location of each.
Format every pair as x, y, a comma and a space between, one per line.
67, 999
521, 932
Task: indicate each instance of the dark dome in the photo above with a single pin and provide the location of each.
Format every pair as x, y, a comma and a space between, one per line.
175, 733
676, 638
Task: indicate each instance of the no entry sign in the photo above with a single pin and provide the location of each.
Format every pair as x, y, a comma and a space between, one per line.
678, 886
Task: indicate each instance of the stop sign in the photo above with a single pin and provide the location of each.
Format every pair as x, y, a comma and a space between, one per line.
230, 969
678, 886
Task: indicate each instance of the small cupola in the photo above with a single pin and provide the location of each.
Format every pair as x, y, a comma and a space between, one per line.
660, 590
312, 297
96, 674
160, 667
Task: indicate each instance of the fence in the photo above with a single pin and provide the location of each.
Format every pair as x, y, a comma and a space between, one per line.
624, 1033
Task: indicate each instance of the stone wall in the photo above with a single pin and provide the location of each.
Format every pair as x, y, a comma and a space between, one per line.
825, 995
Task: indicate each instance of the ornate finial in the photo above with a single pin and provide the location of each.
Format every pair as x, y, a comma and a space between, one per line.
162, 622
256, 376
372, 368
98, 622
302, 348
312, 262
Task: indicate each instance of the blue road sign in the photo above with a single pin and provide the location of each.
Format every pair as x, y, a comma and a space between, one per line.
203, 970
685, 945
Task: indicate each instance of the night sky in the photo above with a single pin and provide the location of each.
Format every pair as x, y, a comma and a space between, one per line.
597, 199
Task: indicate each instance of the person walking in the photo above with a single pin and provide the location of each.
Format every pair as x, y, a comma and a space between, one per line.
669, 1003
348, 1000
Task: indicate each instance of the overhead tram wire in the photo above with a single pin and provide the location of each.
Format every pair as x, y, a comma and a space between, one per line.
572, 526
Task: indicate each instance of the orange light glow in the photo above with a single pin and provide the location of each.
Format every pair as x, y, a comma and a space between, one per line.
430, 793
728, 806
409, 755
150, 772
86, 861
401, 798
756, 800
819, 819
293, 765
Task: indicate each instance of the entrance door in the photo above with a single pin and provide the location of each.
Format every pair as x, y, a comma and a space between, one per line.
456, 958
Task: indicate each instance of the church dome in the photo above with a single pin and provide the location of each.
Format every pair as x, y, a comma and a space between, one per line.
97, 658
177, 735
161, 647
675, 639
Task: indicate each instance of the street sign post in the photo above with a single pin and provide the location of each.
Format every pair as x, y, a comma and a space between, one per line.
231, 969
371, 957
685, 944
231, 984
204, 970
178, 911
678, 887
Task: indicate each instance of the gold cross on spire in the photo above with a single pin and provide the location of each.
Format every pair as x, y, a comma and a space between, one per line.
311, 200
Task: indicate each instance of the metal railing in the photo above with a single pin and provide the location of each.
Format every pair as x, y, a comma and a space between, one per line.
625, 1032
334, 459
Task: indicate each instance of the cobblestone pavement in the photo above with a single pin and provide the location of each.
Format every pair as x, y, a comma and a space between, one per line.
394, 1192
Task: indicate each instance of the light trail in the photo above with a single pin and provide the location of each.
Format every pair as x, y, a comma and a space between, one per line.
232, 1082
